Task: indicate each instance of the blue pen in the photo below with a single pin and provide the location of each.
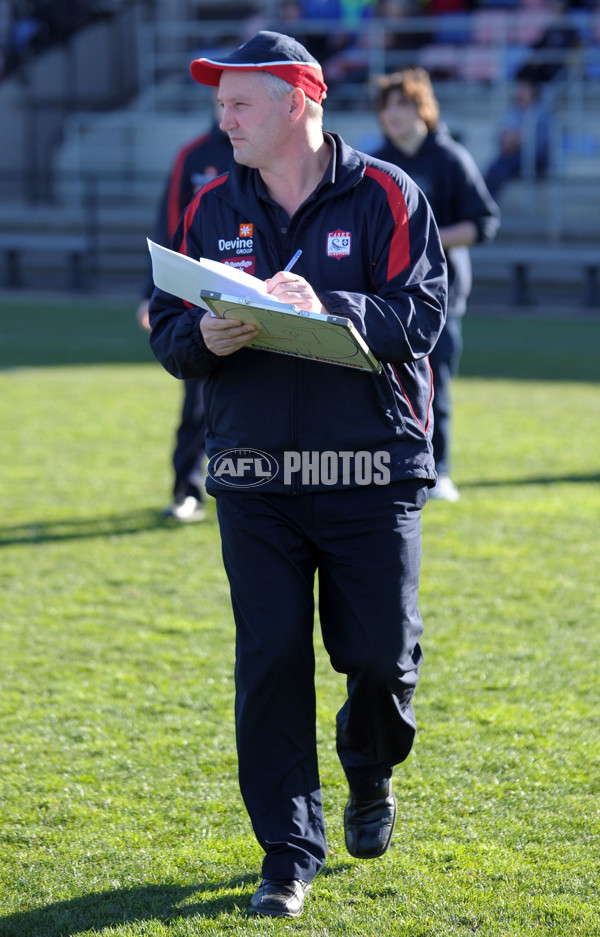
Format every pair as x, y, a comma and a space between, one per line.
291, 263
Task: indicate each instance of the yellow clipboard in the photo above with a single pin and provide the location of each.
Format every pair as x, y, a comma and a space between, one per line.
287, 330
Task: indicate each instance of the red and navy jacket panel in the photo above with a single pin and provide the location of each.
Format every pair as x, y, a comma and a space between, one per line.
196, 163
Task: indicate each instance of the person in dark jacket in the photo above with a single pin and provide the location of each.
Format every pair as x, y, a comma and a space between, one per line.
196, 163
523, 138
316, 468
466, 213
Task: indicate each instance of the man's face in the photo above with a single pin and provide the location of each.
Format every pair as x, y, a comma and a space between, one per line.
399, 117
255, 122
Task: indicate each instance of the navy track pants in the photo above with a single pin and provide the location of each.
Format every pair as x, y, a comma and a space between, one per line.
365, 545
188, 453
444, 361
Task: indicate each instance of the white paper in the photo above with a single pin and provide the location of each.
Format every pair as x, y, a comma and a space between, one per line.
182, 276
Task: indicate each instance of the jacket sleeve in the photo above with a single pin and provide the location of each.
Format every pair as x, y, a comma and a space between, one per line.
402, 317
472, 200
175, 336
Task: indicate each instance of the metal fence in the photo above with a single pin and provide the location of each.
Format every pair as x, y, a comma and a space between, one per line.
114, 158
486, 47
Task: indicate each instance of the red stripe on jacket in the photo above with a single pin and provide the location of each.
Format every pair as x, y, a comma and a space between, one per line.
174, 208
193, 207
399, 258
189, 216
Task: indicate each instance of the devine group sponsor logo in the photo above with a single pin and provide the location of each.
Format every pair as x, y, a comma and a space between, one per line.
242, 468
238, 245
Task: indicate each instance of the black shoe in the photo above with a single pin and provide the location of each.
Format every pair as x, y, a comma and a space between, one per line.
369, 824
279, 899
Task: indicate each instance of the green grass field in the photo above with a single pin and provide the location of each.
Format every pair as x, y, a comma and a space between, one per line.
119, 807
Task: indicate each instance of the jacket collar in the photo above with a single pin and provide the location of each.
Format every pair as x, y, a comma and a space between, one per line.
345, 169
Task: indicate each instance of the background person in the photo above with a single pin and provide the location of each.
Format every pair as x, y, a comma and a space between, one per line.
196, 163
465, 212
527, 123
371, 252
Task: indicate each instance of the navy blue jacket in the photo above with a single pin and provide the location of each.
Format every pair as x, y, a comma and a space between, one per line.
372, 253
453, 185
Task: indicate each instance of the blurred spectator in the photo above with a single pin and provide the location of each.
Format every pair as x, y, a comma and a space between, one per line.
5, 36
523, 138
346, 54
291, 13
555, 49
465, 212
340, 50
452, 31
396, 13
28, 27
27, 31
195, 164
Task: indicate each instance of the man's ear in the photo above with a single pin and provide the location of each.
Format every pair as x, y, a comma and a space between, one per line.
297, 103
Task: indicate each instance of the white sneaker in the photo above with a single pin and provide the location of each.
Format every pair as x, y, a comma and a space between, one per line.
186, 511
445, 489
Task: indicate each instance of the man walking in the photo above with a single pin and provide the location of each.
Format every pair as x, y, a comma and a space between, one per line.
371, 254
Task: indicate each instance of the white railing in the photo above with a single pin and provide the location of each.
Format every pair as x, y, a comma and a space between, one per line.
485, 47
124, 157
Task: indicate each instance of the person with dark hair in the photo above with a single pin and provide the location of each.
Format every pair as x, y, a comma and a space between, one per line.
465, 212
317, 468
555, 50
196, 163
523, 138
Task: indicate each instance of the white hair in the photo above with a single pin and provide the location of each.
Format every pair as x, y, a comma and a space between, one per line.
277, 88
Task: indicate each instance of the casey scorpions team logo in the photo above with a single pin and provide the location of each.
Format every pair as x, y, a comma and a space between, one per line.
339, 243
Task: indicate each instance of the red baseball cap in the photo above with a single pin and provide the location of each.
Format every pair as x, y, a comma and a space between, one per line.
267, 52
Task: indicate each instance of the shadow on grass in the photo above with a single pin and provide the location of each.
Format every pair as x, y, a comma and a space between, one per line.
592, 478
164, 903
100, 910
85, 528
137, 522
